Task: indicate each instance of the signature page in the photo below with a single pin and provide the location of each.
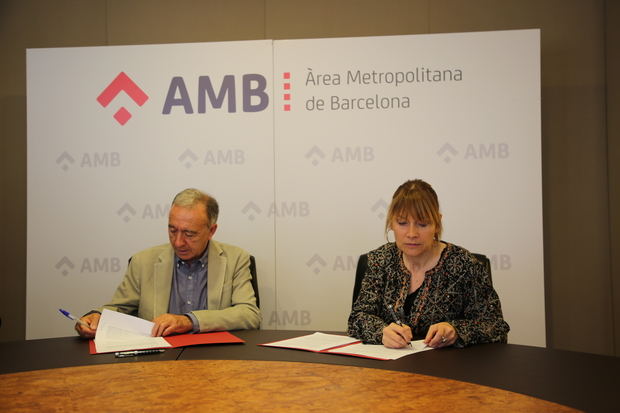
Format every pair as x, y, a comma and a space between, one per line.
379, 351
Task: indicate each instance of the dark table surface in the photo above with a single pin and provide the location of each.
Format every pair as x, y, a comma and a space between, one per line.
584, 381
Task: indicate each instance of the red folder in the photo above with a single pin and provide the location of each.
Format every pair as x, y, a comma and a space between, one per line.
184, 340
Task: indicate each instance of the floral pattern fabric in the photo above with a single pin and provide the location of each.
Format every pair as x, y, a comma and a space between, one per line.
457, 290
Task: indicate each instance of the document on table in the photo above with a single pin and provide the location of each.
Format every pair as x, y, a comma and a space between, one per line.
121, 332
379, 351
337, 344
314, 342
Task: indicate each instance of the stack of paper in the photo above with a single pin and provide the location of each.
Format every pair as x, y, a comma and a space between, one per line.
122, 332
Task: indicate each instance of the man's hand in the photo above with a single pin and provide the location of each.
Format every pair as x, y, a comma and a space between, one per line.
92, 320
395, 336
167, 324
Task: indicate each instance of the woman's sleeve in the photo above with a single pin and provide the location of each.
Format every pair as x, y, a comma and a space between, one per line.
483, 321
365, 322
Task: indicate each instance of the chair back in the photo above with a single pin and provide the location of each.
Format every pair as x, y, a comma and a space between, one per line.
254, 279
485, 260
362, 263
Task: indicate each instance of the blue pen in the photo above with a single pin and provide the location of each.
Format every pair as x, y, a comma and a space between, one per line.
72, 317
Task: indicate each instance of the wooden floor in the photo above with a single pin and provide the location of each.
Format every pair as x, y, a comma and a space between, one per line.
250, 386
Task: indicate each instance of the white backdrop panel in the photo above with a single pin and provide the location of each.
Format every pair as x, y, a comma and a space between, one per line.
99, 192
466, 119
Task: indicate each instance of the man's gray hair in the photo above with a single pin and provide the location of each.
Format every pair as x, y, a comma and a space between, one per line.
190, 197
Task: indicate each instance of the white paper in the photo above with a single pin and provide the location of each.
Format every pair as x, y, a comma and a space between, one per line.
314, 342
121, 332
379, 351
327, 342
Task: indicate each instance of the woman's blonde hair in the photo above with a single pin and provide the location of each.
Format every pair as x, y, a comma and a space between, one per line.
417, 199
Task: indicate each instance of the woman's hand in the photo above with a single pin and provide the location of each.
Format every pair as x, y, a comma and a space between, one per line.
396, 336
440, 335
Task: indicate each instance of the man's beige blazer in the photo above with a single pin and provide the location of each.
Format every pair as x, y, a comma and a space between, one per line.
145, 289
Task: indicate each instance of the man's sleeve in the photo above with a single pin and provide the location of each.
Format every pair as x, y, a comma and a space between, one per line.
238, 310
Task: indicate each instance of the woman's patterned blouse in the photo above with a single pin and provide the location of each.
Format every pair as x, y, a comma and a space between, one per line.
456, 290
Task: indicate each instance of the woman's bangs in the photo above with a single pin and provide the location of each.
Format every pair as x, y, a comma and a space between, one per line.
416, 208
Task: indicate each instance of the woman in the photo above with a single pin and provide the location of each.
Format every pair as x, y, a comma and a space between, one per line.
421, 287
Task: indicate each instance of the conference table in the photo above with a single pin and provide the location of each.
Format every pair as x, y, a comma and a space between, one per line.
59, 374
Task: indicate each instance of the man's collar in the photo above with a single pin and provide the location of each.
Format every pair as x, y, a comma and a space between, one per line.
203, 259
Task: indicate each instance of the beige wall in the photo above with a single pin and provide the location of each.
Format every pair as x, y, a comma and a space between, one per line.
580, 101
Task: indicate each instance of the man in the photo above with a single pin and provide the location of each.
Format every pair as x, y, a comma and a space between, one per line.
193, 284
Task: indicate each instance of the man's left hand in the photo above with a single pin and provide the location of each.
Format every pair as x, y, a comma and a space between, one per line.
167, 324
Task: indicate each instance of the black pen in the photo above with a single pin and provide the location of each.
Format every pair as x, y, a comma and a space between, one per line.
394, 316
396, 319
138, 352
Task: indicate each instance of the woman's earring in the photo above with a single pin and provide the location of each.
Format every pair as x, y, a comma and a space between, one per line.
387, 236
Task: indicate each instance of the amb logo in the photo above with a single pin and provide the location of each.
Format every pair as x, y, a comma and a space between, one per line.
252, 95
254, 98
122, 83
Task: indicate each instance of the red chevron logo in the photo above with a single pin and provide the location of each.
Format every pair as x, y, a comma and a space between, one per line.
122, 83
